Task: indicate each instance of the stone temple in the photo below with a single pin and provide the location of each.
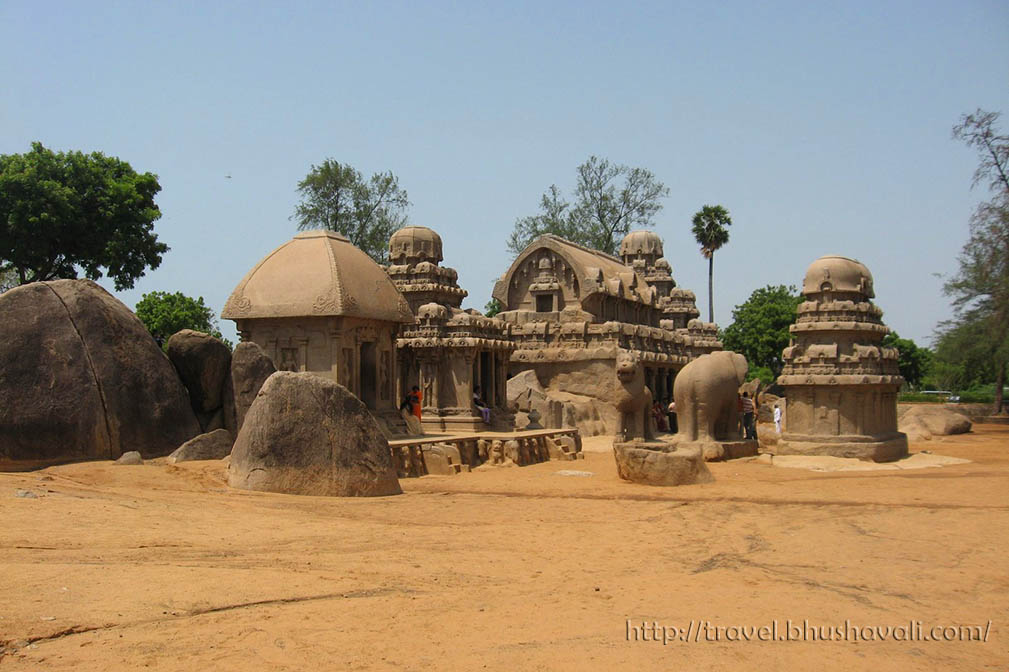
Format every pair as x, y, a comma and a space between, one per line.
446, 351
841, 384
573, 310
319, 304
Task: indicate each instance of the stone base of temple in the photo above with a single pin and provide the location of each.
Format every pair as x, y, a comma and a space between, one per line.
453, 424
714, 451
884, 448
654, 463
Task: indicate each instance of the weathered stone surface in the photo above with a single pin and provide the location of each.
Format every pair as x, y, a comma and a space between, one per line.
650, 464
131, 458
307, 435
881, 450
250, 367
923, 421
841, 382
706, 397
202, 362
83, 379
213, 445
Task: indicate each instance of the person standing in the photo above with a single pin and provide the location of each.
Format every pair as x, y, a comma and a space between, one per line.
671, 411
748, 432
417, 396
481, 405
777, 418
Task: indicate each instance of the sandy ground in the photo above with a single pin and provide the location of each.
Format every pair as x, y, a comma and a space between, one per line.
162, 566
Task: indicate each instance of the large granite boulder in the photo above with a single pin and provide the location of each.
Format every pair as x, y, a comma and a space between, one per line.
82, 379
306, 435
213, 445
203, 362
250, 367
923, 421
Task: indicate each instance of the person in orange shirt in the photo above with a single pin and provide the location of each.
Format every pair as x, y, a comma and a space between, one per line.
418, 396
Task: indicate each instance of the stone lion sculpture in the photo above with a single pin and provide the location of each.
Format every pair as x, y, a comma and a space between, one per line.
633, 400
706, 391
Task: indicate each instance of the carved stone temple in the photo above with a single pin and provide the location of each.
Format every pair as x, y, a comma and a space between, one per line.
319, 304
444, 350
840, 382
573, 310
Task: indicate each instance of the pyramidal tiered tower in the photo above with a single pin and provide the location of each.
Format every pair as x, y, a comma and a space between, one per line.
447, 351
841, 384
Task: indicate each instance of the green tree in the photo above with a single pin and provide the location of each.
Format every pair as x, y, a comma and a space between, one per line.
165, 314
69, 211
709, 227
8, 280
914, 362
962, 358
336, 196
492, 308
759, 328
980, 287
609, 200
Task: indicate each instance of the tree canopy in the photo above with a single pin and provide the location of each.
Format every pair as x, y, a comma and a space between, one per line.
980, 287
914, 362
165, 314
759, 328
492, 307
336, 196
710, 230
64, 211
609, 201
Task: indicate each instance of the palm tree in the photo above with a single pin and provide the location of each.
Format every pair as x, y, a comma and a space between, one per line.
711, 234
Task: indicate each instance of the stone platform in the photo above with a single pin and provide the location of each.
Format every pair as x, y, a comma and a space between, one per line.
450, 454
887, 448
658, 463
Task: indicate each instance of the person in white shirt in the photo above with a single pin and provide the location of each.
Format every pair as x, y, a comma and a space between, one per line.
777, 418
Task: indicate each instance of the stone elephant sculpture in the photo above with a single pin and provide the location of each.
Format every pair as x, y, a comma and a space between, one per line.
706, 393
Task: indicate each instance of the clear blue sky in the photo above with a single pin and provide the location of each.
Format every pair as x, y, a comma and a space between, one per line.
824, 128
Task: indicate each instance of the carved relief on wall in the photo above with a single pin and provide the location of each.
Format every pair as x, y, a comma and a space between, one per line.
384, 367
347, 368
289, 360
324, 304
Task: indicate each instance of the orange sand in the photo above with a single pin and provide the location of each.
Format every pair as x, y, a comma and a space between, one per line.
159, 566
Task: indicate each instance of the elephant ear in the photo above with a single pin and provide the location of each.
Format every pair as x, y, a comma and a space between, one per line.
739, 363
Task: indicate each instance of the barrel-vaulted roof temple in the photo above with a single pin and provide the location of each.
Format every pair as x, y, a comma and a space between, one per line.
319, 304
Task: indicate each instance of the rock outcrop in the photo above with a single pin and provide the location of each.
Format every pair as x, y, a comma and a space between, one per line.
203, 363
923, 421
213, 445
307, 435
250, 367
82, 379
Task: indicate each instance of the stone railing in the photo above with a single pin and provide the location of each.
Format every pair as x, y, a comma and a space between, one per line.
448, 455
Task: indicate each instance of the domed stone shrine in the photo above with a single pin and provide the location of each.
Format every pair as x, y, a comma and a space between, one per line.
840, 382
642, 251
319, 304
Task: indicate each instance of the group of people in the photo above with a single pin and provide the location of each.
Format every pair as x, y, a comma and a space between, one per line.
411, 404
665, 416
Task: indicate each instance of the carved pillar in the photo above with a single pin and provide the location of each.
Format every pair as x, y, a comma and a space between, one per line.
302, 353
501, 361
